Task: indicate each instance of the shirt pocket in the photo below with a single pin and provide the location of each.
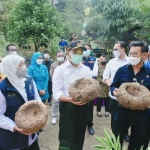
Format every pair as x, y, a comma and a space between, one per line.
124, 80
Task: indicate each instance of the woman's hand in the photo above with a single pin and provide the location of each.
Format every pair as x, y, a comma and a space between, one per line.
42, 92
21, 131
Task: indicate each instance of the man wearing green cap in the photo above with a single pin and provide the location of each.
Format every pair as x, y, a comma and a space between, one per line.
73, 115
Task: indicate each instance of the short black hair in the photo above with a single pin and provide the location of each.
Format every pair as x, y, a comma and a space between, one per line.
122, 44
58, 51
7, 47
46, 51
143, 45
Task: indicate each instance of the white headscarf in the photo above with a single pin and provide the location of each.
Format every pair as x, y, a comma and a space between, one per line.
10, 64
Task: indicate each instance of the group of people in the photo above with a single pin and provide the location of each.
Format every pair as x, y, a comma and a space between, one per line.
44, 80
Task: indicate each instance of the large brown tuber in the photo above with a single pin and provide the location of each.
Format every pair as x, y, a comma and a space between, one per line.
133, 96
84, 89
31, 116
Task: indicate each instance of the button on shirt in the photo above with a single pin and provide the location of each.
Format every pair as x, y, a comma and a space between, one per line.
111, 69
8, 124
64, 75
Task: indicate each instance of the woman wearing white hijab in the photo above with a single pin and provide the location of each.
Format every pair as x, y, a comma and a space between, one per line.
16, 89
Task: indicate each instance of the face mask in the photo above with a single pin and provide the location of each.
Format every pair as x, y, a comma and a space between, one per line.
22, 73
46, 56
39, 61
13, 53
86, 53
116, 54
134, 60
60, 59
104, 62
76, 58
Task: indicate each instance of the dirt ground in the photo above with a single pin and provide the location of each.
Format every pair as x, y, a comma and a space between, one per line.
48, 139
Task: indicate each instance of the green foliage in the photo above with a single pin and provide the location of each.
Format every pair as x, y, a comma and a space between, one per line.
110, 142
5, 7
33, 21
144, 7
112, 18
72, 17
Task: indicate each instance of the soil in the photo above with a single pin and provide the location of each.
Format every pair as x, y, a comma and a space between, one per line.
48, 139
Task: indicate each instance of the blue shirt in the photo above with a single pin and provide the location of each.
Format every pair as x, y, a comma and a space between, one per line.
126, 74
147, 64
40, 75
89, 61
63, 43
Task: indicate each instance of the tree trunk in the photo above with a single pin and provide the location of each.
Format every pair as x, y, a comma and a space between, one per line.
36, 46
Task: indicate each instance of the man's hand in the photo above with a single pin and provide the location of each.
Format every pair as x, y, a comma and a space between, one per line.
78, 103
21, 131
115, 92
70, 100
42, 92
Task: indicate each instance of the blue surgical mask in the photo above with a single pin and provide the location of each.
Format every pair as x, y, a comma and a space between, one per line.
76, 58
86, 53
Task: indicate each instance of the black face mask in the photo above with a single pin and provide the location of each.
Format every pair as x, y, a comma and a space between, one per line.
104, 62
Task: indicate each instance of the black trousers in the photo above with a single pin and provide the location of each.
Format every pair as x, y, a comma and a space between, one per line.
90, 113
113, 104
147, 135
33, 146
72, 126
137, 132
99, 104
50, 90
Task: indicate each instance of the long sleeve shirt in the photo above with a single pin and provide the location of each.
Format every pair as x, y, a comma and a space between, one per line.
64, 75
53, 67
8, 124
111, 68
126, 74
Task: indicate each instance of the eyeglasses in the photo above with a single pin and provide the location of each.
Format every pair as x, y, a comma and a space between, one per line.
60, 56
12, 50
116, 49
134, 54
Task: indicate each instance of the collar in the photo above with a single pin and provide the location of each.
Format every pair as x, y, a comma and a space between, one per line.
142, 68
69, 64
126, 58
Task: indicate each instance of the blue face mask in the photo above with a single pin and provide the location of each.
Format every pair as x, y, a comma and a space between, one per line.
86, 53
76, 58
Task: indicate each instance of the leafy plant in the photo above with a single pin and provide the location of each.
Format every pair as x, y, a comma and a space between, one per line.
109, 142
33, 21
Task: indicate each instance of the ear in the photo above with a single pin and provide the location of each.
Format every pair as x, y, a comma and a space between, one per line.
145, 56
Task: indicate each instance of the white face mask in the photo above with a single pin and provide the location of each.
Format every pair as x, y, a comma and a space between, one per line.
46, 56
39, 61
134, 60
60, 59
13, 53
86, 53
116, 54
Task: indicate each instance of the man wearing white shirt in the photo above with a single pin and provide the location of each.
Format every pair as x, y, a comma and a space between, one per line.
120, 60
73, 115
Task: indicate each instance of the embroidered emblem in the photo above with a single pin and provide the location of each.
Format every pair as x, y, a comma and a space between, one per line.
30, 86
134, 79
11, 94
142, 82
